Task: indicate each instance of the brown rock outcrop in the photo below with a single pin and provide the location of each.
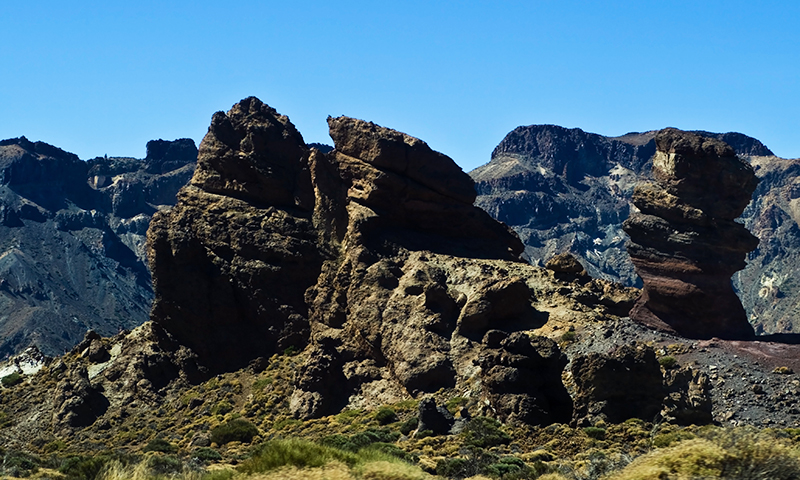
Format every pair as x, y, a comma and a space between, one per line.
521, 376
629, 383
685, 244
371, 256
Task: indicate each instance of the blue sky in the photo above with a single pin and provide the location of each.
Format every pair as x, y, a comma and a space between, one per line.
105, 77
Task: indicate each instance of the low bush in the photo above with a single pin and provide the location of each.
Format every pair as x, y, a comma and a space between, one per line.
221, 408
385, 416
18, 464
356, 442
668, 362
484, 432
409, 425
163, 465
597, 433
160, 445
296, 453
84, 468
11, 380
205, 454
237, 430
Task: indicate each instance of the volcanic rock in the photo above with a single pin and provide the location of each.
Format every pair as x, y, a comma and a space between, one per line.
629, 383
371, 257
624, 384
232, 259
435, 418
521, 375
685, 243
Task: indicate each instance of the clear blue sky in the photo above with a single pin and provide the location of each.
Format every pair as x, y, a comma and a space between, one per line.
105, 77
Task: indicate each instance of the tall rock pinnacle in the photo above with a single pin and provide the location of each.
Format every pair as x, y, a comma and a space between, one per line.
685, 244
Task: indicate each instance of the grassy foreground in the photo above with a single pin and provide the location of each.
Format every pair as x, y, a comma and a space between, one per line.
686, 453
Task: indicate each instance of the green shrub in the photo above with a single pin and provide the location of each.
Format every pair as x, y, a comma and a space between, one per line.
454, 403
221, 408
261, 384
206, 454
597, 433
237, 430
356, 442
668, 362
18, 464
453, 468
409, 425
164, 465
484, 432
83, 468
11, 380
569, 336
160, 445
281, 424
506, 467
663, 440
385, 416
293, 452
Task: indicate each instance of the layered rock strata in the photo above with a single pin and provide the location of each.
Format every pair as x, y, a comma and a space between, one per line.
685, 244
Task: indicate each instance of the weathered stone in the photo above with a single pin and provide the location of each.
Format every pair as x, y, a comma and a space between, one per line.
76, 402
613, 388
521, 376
435, 418
685, 244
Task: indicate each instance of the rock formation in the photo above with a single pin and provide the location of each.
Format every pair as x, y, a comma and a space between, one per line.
629, 383
371, 256
685, 243
569, 190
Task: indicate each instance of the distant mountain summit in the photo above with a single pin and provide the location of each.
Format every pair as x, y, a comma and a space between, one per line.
565, 189
72, 239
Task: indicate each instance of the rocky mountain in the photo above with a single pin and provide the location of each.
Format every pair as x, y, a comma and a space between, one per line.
72, 237
568, 190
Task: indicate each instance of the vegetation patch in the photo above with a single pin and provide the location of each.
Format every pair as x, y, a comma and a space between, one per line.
11, 380
237, 430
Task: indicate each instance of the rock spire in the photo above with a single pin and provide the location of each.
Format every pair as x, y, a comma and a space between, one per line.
685, 244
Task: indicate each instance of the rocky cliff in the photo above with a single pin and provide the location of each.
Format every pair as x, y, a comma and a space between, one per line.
72, 239
568, 190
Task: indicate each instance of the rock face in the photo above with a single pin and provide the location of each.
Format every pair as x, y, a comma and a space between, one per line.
72, 240
624, 384
685, 244
768, 289
371, 257
629, 383
521, 375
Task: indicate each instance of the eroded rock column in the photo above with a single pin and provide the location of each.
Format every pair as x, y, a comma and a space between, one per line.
685, 244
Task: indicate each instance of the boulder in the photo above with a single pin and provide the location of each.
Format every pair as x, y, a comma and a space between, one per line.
521, 376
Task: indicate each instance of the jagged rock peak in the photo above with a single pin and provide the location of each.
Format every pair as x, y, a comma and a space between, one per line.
685, 244
403, 154
253, 153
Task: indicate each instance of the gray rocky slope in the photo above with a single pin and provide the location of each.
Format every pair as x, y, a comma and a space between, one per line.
72, 239
568, 190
